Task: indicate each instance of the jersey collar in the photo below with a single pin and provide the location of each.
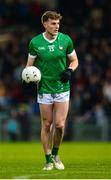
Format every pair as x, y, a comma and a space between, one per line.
50, 41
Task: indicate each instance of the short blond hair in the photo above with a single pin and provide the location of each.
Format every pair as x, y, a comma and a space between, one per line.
50, 15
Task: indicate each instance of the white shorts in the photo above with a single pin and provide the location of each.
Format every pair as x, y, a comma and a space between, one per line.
51, 98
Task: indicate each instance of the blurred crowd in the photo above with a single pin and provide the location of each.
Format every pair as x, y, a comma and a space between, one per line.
88, 24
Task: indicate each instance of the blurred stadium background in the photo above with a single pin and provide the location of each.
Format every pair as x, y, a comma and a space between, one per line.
88, 23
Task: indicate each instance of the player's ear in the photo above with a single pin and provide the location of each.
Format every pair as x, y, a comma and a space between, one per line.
45, 24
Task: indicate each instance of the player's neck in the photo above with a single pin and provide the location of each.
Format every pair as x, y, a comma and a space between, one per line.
50, 36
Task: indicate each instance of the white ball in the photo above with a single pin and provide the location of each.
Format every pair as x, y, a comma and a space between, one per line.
31, 74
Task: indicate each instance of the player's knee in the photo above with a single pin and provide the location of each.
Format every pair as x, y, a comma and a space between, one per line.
46, 127
59, 125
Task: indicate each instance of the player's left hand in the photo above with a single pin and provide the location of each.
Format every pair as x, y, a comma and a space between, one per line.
66, 75
27, 85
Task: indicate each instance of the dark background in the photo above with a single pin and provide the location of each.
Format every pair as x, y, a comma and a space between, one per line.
88, 24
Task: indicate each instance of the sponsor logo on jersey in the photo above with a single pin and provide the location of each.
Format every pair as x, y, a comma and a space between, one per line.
41, 48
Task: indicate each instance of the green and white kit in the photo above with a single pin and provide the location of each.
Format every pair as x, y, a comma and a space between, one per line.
51, 59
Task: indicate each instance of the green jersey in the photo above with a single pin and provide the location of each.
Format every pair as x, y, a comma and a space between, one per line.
51, 59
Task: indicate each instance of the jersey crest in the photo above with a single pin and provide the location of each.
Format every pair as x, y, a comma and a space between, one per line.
61, 47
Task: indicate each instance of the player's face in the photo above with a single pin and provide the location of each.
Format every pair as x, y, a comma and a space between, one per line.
52, 26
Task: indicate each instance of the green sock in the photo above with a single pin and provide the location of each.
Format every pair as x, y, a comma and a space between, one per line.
48, 158
55, 151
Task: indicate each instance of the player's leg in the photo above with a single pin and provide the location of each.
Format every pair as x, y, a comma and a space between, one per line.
46, 111
60, 115
52, 130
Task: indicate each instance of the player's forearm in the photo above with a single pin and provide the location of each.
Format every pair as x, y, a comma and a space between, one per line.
74, 64
30, 61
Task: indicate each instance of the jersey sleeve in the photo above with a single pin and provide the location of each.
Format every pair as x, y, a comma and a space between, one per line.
31, 49
70, 46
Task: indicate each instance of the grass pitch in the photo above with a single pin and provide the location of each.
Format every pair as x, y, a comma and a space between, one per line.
81, 160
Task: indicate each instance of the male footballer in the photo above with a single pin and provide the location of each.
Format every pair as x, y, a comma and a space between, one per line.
50, 51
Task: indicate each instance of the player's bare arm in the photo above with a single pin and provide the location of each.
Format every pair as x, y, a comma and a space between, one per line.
74, 61
30, 61
66, 75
